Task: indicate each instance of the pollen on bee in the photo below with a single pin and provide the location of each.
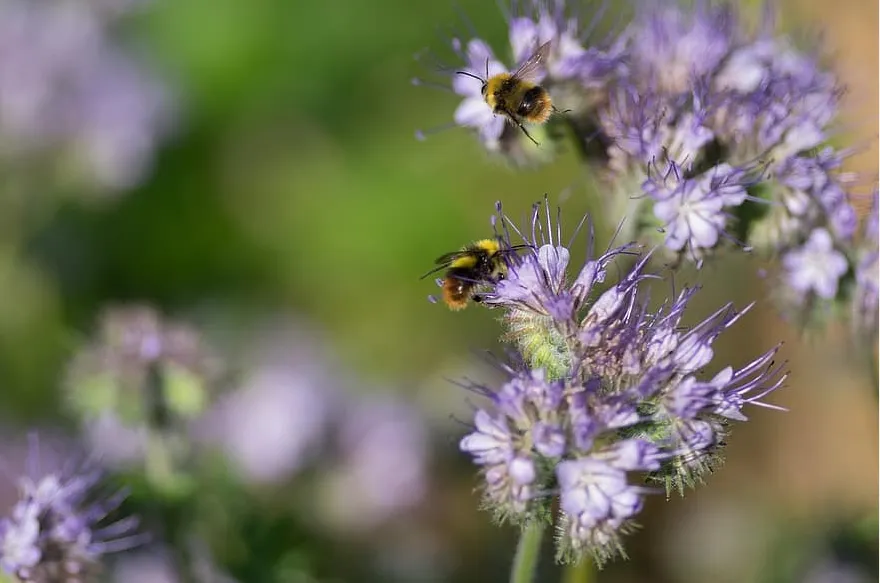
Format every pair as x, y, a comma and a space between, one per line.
455, 303
542, 111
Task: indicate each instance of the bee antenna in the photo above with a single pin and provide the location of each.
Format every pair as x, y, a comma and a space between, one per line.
487, 67
469, 74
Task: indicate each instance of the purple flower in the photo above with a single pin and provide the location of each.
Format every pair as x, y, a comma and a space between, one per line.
382, 472
813, 195
768, 86
568, 59
69, 93
816, 267
671, 48
596, 499
692, 209
606, 386
473, 111
139, 385
867, 285
58, 528
524, 426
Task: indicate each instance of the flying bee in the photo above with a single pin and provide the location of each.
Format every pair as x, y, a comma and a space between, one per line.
478, 263
516, 95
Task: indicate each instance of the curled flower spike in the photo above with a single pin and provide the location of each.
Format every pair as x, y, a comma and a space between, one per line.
607, 388
59, 529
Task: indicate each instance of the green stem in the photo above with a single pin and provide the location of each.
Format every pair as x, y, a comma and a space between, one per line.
583, 572
528, 550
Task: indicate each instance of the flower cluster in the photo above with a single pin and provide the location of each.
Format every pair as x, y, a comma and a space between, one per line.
294, 419
138, 385
866, 300
607, 388
707, 135
72, 98
58, 530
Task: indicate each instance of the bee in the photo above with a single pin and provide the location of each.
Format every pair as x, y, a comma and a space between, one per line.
515, 95
478, 263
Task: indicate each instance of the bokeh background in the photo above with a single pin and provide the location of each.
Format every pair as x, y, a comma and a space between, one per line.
252, 173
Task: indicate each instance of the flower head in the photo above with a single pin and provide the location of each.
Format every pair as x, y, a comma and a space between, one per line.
59, 530
574, 75
70, 94
867, 285
137, 351
816, 267
692, 209
138, 387
670, 48
607, 387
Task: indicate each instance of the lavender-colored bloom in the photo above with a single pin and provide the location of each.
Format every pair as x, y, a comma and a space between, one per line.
596, 498
568, 60
687, 88
816, 267
607, 387
671, 48
138, 386
524, 425
574, 74
58, 530
773, 100
382, 470
867, 286
692, 209
68, 92
139, 360
271, 425
473, 111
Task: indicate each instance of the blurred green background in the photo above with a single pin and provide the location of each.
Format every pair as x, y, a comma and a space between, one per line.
293, 185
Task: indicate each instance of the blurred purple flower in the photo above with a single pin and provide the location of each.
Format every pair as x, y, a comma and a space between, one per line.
670, 48
138, 386
381, 469
867, 286
272, 424
59, 529
816, 267
68, 91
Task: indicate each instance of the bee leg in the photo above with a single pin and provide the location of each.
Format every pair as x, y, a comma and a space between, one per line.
559, 111
526, 132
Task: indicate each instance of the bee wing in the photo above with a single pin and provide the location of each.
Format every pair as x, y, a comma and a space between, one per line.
529, 69
443, 262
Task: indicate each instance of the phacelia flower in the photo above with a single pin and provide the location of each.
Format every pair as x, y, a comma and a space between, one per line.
59, 529
139, 384
72, 98
607, 389
816, 267
683, 101
574, 74
381, 468
867, 285
692, 209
